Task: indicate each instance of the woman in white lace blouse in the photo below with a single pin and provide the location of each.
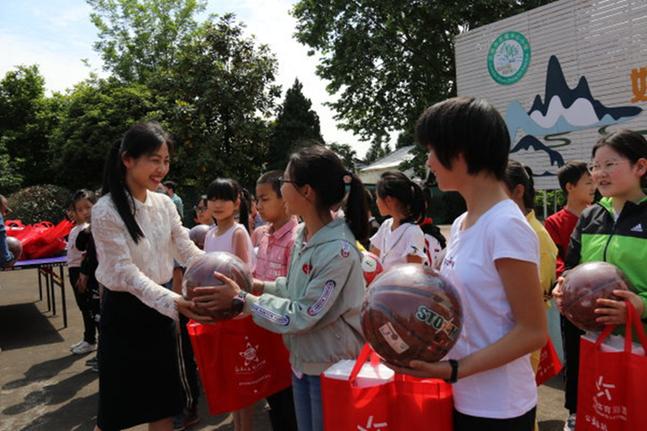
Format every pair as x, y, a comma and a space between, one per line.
138, 233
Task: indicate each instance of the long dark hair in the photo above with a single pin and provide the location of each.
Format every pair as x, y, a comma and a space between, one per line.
321, 169
515, 174
140, 140
227, 189
409, 194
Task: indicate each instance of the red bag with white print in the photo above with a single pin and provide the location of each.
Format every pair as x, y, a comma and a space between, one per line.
239, 363
371, 397
549, 364
611, 388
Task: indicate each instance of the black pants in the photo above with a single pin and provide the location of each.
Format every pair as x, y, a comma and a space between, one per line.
525, 422
188, 368
282, 415
84, 302
571, 336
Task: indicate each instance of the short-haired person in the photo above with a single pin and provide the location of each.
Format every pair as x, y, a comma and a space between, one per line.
170, 187
492, 259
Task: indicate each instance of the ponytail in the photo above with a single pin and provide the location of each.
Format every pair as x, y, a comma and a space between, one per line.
517, 173
397, 185
140, 139
356, 210
243, 209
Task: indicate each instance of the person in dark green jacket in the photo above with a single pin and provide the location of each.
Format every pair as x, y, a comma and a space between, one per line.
614, 230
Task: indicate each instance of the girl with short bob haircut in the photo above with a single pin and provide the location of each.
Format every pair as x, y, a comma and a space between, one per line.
491, 259
138, 233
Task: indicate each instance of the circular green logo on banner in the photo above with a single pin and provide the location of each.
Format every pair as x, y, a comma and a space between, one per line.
508, 57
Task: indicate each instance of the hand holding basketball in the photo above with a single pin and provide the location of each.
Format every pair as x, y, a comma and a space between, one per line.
558, 294
614, 312
425, 370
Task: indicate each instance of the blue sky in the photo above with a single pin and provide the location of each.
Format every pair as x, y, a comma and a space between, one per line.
58, 34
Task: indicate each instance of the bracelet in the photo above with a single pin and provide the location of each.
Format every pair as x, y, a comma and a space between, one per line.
453, 378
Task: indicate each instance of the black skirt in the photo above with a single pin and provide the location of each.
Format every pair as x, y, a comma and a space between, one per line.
139, 381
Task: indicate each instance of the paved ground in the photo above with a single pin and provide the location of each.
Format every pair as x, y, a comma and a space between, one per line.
44, 387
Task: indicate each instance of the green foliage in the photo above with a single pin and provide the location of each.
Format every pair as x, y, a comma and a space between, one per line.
140, 40
95, 114
222, 96
10, 178
387, 60
346, 154
27, 119
296, 126
555, 199
378, 149
39, 203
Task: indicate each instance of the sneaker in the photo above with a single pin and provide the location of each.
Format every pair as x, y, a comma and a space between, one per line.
185, 420
91, 362
75, 345
569, 425
84, 348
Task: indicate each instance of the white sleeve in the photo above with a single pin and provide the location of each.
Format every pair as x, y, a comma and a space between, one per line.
377, 240
183, 248
116, 270
415, 242
513, 238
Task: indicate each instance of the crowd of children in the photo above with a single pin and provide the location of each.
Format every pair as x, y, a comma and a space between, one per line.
300, 236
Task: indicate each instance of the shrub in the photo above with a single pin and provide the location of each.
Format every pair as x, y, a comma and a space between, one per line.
39, 203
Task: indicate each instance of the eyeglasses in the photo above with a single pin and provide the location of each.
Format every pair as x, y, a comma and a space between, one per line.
200, 209
607, 166
284, 180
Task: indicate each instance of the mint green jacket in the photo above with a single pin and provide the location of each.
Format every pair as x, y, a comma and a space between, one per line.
317, 306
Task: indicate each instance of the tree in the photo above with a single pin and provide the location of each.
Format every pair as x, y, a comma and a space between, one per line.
297, 125
10, 177
27, 119
140, 40
224, 96
377, 150
387, 60
346, 154
95, 114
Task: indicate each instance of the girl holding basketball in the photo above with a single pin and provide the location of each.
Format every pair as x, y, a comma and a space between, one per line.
225, 201
137, 234
399, 239
316, 307
613, 230
492, 257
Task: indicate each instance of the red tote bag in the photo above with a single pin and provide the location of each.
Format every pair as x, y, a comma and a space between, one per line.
549, 364
611, 390
239, 363
403, 403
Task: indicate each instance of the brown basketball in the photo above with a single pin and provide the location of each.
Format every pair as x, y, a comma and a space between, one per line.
411, 312
15, 247
583, 285
198, 233
200, 274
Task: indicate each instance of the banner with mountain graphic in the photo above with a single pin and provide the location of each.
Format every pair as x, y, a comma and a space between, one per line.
561, 75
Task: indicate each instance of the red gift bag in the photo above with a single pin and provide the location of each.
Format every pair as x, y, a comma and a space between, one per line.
611, 390
549, 364
47, 239
239, 363
402, 403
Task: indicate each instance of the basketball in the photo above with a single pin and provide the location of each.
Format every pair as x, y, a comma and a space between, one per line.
583, 285
371, 266
200, 274
15, 247
198, 233
411, 312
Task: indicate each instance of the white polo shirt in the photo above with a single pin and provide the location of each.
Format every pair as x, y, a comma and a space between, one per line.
502, 232
396, 245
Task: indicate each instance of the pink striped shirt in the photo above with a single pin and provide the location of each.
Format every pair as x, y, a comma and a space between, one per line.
274, 249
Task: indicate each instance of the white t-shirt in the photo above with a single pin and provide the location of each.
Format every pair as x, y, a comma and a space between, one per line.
396, 245
74, 255
502, 232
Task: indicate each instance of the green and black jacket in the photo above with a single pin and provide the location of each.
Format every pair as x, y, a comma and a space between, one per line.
623, 242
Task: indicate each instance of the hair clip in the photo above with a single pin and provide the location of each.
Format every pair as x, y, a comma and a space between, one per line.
347, 179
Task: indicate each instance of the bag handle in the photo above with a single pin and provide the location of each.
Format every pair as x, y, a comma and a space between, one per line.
633, 319
364, 355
